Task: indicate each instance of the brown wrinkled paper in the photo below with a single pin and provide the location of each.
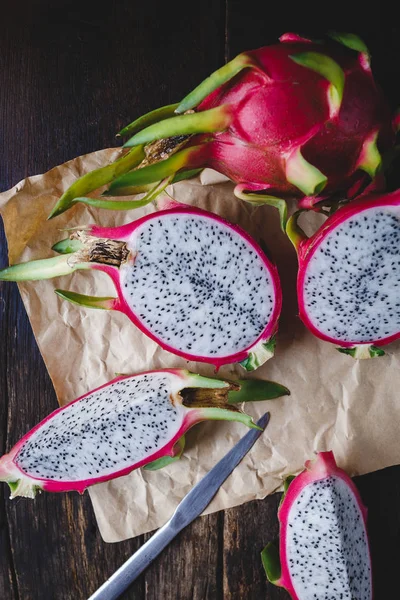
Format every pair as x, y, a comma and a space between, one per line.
336, 403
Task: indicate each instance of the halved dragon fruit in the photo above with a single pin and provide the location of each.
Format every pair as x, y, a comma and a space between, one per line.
299, 119
196, 284
130, 422
324, 551
349, 275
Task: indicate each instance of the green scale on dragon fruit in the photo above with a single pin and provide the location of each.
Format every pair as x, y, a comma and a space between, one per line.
131, 422
348, 281
323, 543
196, 284
300, 119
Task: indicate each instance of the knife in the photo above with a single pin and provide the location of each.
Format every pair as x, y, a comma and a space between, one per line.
187, 510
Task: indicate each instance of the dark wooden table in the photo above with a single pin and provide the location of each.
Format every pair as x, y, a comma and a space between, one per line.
71, 74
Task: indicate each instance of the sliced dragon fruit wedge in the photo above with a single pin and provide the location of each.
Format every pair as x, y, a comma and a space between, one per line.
300, 119
324, 552
349, 275
196, 284
130, 422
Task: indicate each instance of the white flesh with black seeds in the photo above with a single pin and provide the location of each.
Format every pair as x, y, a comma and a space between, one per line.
327, 546
352, 282
198, 285
106, 431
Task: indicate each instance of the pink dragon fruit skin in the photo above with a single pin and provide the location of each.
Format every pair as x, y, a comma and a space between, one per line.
299, 119
91, 429
361, 240
321, 501
275, 123
221, 315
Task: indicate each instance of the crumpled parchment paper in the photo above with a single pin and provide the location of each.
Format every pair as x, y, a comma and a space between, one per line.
337, 403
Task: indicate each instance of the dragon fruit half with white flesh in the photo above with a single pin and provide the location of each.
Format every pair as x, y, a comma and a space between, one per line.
196, 284
300, 119
133, 421
348, 281
323, 550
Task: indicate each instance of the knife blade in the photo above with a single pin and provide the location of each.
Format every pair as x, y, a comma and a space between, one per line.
187, 510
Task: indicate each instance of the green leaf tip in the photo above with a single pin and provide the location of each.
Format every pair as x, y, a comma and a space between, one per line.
150, 189
294, 232
256, 390
328, 68
160, 463
261, 352
156, 172
184, 175
23, 487
37, 270
13, 485
370, 159
214, 81
376, 352
271, 563
259, 199
104, 303
154, 116
303, 175
96, 179
287, 482
152, 194
200, 381
114, 204
229, 413
350, 40
67, 246
208, 121
164, 461
363, 351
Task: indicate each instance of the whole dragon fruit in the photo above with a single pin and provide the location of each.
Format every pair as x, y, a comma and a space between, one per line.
324, 550
130, 422
196, 284
300, 119
349, 275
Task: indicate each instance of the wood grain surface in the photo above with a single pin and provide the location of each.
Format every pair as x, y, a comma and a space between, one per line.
71, 74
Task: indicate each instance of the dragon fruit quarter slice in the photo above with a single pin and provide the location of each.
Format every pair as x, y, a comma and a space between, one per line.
133, 421
299, 119
324, 551
349, 275
196, 284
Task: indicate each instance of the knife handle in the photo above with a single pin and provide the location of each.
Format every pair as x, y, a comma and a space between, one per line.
135, 565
